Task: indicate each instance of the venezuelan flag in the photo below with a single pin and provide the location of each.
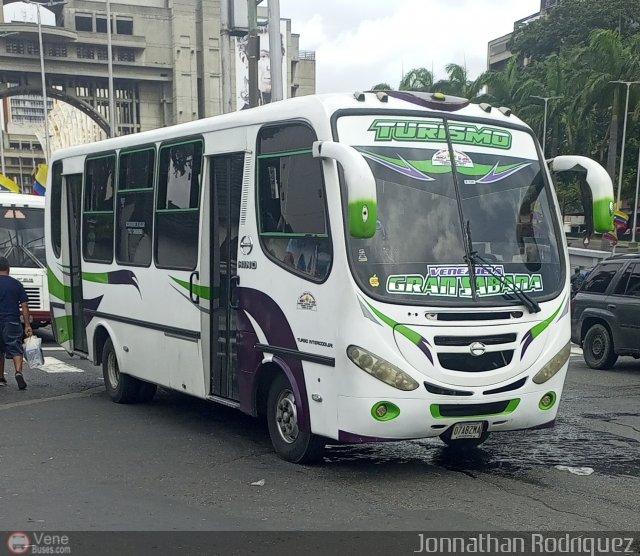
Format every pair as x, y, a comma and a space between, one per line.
8, 185
620, 220
40, 183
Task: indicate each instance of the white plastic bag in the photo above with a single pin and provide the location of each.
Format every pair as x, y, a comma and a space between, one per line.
33, 352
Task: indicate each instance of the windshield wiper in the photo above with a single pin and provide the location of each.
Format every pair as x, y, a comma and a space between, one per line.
473, 258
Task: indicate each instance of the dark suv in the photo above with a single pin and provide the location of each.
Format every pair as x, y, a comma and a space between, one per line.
605, 313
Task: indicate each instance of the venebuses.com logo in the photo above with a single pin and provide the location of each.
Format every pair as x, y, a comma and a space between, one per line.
19, 542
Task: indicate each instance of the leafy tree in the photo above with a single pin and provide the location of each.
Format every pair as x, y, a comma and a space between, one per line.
419, 79
382, 87
570, 24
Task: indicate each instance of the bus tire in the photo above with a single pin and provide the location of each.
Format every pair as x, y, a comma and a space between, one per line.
289, 442
462, 444
121, 388
597, 348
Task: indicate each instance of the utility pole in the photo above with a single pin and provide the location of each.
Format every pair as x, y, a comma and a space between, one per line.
112, 101
225, 56
544, 132
275, 51
47, 148
253, 50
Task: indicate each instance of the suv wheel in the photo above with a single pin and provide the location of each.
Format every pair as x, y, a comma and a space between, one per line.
598, 349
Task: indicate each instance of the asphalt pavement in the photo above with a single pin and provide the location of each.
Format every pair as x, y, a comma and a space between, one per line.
73, 460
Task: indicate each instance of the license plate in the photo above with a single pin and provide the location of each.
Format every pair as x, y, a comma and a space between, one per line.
466, 430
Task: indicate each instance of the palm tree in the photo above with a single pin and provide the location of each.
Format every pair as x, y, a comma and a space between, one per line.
382, 87
458, 82
419, 79
606, 58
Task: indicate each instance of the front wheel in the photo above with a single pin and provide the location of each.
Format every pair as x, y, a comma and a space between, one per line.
462, 444
289, 442
597, 349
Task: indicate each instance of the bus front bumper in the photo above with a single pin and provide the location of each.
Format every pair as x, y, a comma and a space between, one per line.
420, 418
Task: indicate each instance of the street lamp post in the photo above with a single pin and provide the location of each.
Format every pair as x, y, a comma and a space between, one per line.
49, 4
112, 100
624, 136
544, 132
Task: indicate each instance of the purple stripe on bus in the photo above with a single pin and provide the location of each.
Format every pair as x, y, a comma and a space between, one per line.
350, 438
422, 344
275, 326
248, 363
526, 342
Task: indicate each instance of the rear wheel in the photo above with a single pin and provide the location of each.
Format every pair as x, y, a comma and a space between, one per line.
120, 387
462, 444
290, 443
597, 349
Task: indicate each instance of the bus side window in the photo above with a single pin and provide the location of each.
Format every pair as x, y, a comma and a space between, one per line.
293, 223
97, 230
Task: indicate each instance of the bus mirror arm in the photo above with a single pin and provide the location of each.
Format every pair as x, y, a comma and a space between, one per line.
360, 183
598, 187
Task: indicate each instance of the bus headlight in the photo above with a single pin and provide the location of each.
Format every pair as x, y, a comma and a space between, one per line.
553, 366
381, 369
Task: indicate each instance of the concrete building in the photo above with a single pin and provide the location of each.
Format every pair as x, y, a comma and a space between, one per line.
166, 57
498, 53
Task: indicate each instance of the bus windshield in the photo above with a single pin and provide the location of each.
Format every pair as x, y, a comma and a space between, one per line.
504, 209
22, 236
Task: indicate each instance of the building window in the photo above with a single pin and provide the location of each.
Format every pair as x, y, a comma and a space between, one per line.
15, 47
134, 207
57, 51
124, 26
97, 229
102, 52
84, 23
101, 25
33, 48
293, 225
126, 55
177, 209
86, 52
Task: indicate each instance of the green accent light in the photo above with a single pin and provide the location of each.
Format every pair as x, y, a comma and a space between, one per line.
439, 96
385, 411
511, 407
547, 401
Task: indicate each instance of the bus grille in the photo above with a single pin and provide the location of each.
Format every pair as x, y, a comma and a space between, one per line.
34, 298
465, 362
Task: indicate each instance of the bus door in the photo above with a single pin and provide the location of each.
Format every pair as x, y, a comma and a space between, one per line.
225, 189
73, 190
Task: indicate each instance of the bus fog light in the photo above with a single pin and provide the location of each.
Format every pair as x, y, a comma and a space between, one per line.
381, 369
385, 411
547, 401
553, 366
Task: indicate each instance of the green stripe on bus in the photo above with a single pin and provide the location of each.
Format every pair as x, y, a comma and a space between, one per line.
57, 288
201, 291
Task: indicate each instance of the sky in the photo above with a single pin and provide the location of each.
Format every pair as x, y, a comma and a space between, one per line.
360, 43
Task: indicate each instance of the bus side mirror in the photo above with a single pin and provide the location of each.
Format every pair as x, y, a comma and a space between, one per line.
600, 188
361, 186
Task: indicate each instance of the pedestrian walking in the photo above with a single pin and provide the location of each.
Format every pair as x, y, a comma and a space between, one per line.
13, 300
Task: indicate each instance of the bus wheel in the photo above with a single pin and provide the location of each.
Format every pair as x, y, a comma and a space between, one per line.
120, 387
597, 348
290, 443
462, 444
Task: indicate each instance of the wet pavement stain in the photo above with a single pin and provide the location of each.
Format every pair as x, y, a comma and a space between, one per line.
570, 443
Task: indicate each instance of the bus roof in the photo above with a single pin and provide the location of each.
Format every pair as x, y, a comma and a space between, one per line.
21, 200
314, 108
